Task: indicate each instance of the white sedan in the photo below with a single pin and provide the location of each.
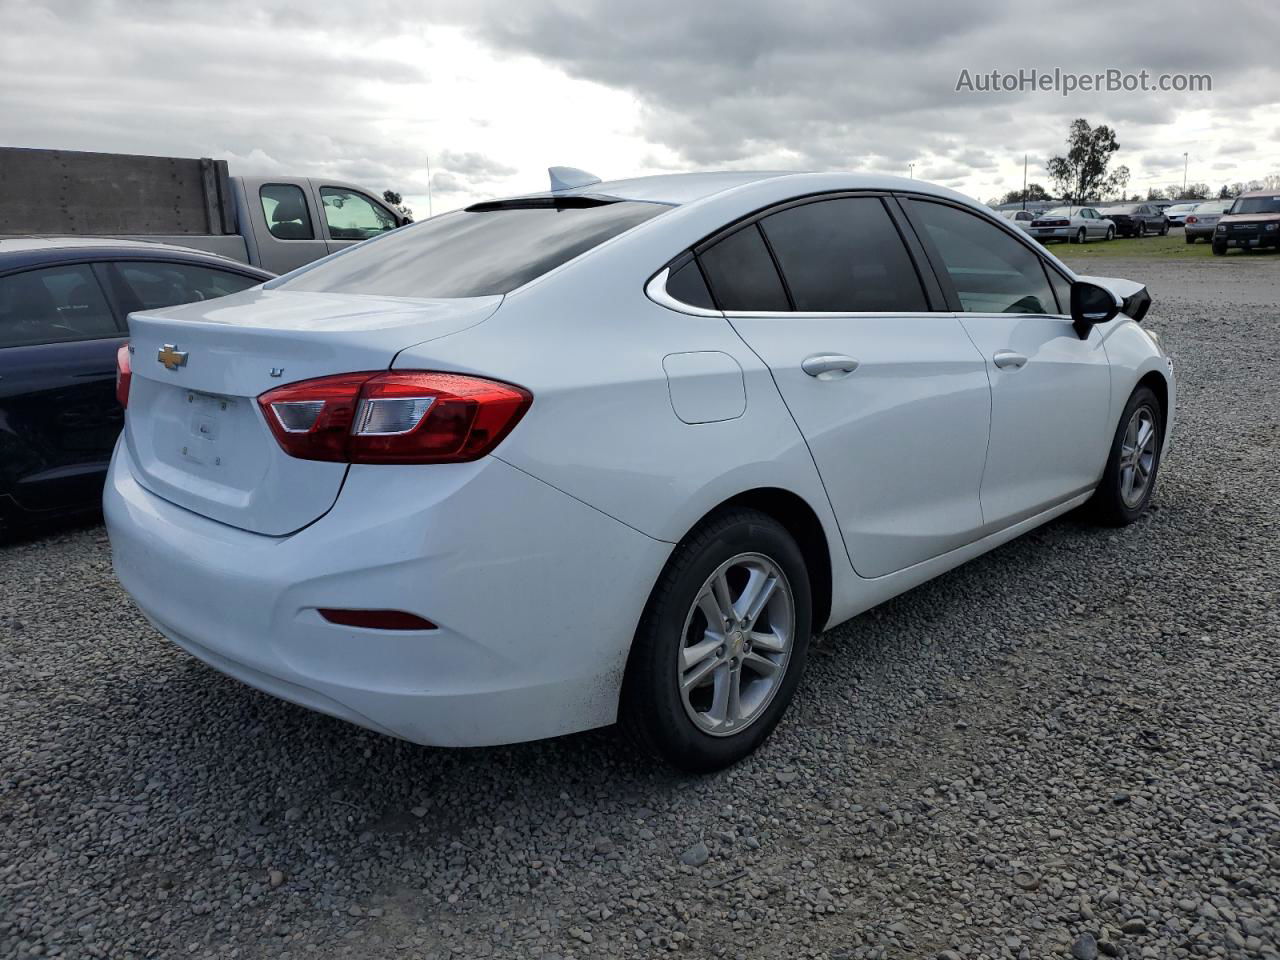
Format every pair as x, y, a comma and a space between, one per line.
1073, 224
614, 452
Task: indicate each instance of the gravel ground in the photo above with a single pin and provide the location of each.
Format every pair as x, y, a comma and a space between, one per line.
1068, 748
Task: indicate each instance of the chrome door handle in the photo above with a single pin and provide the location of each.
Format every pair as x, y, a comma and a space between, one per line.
828, 366
1007, 358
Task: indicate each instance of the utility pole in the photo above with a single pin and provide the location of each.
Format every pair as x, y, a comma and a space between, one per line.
1184, 177
1024, 181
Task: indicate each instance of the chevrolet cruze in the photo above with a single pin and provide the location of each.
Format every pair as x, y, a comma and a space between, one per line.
614, 452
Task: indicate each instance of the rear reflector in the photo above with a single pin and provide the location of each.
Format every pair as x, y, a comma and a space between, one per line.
396, 417
124, 373
377, 619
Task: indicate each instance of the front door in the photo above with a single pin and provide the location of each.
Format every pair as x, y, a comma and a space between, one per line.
893, 399
1050, 390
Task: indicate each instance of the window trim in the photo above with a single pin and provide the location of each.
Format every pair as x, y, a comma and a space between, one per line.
655, 287
306, 205
108, 297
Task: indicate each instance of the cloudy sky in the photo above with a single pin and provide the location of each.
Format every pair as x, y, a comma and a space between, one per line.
477, 98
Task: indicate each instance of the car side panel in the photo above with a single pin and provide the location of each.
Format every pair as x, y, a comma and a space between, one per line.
602, 427
1133, 355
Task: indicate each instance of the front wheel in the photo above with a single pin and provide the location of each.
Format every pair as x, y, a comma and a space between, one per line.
1111, 233
721, 645
1219, 249
1164, 230
1130, 475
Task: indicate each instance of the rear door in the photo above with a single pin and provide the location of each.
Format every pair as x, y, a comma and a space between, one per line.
350, 215
891, 396
58, 415
285, 222
1050, 390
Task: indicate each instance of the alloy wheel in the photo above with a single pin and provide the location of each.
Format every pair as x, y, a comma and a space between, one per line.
1137, 456
736, 644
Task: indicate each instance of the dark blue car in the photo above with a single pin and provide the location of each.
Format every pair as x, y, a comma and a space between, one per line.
63, 304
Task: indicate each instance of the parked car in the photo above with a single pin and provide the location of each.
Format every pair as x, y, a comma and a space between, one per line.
1176, 213
1073, 224
1137, 219
1252, 222
1201, 221
276, 223
63, 305
1019, 218
467, 506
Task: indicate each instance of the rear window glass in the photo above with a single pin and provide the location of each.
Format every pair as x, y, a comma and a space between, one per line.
485, 250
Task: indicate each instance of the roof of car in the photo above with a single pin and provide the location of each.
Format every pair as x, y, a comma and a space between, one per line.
1260, 193
683, 188
32, 251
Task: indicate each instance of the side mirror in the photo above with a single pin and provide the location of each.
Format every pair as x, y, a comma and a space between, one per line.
1091, 304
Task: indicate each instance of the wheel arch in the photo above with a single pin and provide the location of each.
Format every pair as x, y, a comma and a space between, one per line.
1158, 385
802, 522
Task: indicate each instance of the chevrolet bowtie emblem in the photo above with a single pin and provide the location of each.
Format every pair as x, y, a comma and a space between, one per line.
172, 357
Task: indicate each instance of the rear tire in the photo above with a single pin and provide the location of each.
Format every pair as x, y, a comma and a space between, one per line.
1130, 475
697, 639
1081, 235
1189, 238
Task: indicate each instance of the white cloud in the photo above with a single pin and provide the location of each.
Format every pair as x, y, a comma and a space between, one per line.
479, 97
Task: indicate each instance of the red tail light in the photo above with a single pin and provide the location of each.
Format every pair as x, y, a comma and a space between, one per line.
1192, 220
410, 417
124, 373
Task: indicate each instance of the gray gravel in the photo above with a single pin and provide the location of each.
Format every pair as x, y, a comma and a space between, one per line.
1069, 748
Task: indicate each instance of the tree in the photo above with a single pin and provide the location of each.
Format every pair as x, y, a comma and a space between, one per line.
1225, 193
1116, 184
397, 201
1082, 173
1035, 193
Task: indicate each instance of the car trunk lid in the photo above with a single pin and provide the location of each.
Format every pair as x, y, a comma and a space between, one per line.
194, 430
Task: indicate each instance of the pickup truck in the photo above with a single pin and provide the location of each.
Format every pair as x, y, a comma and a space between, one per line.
276, 223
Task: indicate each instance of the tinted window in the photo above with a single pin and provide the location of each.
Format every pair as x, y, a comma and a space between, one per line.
146, 285
844, 256
991, 271
1061, 289
484, 250
687, 285
285, 209
741, 273
353, 216
56, 303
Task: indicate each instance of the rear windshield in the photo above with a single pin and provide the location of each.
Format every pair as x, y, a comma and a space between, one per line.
487, 249
1122, 208
1256, 205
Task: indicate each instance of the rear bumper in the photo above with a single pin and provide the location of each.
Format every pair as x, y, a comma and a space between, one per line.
1050, 233
536, 597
